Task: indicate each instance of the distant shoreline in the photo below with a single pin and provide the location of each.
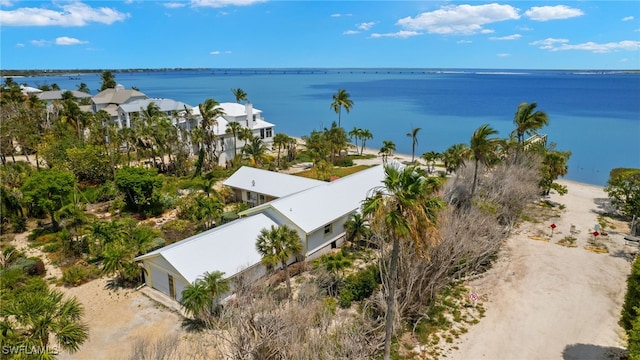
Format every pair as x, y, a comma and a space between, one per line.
18, 73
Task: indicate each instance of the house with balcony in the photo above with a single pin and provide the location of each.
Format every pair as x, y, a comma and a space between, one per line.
109, 99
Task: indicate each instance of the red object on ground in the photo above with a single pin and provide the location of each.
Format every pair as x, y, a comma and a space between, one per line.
553, 226
595, 233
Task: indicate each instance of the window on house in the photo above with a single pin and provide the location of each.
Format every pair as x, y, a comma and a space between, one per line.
328, 229
269, 132
261, 133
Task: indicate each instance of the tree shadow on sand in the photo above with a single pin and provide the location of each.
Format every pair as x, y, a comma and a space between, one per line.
593, 352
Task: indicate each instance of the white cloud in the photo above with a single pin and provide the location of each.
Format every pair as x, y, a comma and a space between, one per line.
351, 32
64, 40
6, 3
366, 25
502, 55
20, 45
218, 52
563, 45
402, 34
628, 18
549, 43
71, 14
463, 42
40, 42
339, 15
174, 5
624, 60
558, 12
228, 52
460, 19
223, 3
509, 37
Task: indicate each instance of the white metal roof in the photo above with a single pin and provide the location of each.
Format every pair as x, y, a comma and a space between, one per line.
269, 182
235, 109
315, 207
229, 248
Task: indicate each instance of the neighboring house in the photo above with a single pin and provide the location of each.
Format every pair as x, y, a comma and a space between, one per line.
247, 117
174, 110
28, 90
109, 99
318, 215
229, 248
56, 95
256, 186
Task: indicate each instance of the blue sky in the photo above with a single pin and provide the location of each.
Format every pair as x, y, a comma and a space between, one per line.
255, 33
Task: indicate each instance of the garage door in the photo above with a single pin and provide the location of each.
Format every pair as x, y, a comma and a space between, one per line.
160, 280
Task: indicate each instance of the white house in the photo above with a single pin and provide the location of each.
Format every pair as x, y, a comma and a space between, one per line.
256, 186
248, 118
174, 110
229, 248
317, 213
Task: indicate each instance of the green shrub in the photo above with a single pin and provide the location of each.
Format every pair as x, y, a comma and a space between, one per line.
632, 299
343, 161
178, 229
79, 274
18, 224
52, 247
634, 338
29, 266
359, 286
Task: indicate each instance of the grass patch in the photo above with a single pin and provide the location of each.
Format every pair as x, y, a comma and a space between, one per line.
339, 172
568, 241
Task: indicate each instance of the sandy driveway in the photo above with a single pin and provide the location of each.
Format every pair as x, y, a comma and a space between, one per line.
546, 301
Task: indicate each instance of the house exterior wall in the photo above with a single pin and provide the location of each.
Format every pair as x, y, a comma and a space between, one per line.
318, 239
157, 276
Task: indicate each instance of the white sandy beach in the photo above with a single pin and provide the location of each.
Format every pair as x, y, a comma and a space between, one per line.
546, 301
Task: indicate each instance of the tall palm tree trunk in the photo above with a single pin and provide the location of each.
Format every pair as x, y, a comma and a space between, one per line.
286, 277
475, 179
391, 298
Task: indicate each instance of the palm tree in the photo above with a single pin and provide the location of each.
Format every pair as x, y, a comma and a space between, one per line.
256, 151
402, 210
414, 141
430, 158
34, 316
364, 136
341, 99
198, 299
210, 110
234, 128
527, 121
277, 245
482, 149
280, 140
453, 157
387, 149
355, 134
356, 227
239, 94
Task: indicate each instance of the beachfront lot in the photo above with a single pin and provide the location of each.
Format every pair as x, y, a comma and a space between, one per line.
542, 300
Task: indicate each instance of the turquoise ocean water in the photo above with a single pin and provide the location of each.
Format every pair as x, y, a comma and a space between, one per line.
595, 115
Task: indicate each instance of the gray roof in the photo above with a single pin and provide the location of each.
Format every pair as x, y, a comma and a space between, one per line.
163, 104
57, 95
269, 182
116, 96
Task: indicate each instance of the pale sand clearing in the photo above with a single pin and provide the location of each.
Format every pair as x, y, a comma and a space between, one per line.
546, 301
